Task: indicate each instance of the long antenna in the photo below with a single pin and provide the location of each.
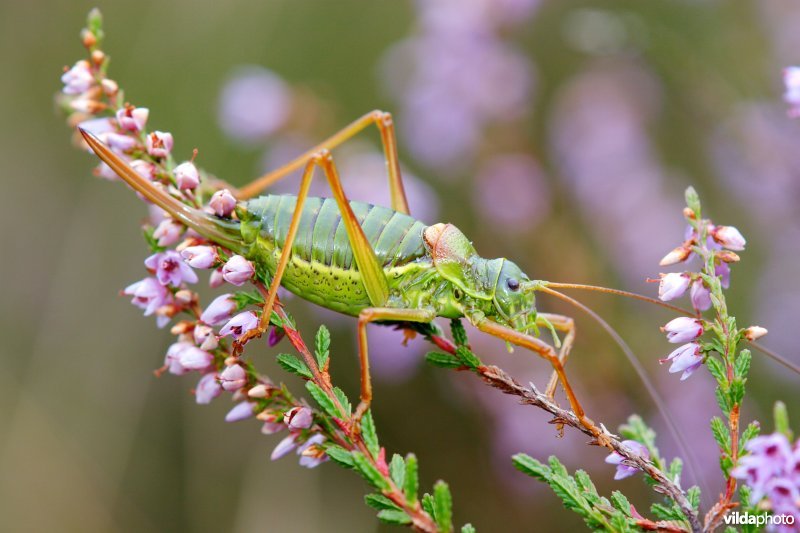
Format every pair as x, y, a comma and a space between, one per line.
637, 366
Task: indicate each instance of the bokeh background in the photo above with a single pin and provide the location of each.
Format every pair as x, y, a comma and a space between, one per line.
557, 133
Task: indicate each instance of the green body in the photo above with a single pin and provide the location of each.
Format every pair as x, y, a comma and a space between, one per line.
322, 268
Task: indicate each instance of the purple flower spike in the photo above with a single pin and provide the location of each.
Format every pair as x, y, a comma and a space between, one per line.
240, 325
159, 144
132, 118
222, 202
238, 270
168, 232
170, 269
148, 294
298, 418
624, 470
683, 329
686, 359
207, 389
233, 378
729, 237
78, 79
700, 295
285, 446
241, 411
219, 310
186, 176
672, 286
200, 256
791, 79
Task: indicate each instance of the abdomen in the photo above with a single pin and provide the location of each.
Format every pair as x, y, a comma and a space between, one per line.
322, 268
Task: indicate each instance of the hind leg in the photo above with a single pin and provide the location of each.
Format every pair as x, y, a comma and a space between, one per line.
566, 325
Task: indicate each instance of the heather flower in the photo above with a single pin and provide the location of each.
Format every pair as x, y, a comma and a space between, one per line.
200, 256
683, 329
723, 271
238, 270
673, 285
677, 255
767, 467
118, 142
172, 359
204, 337
624, 470
686, 359
259, 391
791, 79
254, 103
159, 144
288, 444
240, 325
144, 168
219, 310
241, 411
233, 378
132, 118
700, 295
275, 336
207, 388
149, 294
270, 428
729, 237
193, 358
311, 453
168, 232
222, 202
186, 176
170, 268
754, 333
78, 79
298, 418
216, 279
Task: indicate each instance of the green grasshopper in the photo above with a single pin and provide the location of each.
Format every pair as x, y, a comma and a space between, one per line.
371, 262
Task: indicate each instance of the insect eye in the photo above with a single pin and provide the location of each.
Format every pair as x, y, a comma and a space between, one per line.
513, 284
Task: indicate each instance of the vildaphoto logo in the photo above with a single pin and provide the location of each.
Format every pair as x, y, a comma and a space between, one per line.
739, 519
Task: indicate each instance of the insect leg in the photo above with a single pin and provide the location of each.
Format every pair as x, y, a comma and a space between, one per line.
547, 352
567, 325
385, 126
373, 314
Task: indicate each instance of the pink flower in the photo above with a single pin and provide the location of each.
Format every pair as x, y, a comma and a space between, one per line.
311, 453
729, 237
204, 337
193, 358
216, 279
673, 286
233, 378
700, 295
298, 418
238, 270
683, 329
624, 470
159, 144
222, 202
78, 79
791, 79
285, 446
144, 168
173, 358
132, 118
686, 359
149, 294
170, 268
168, 232
240, 325
219, 310
118, 142
275, 336
186, 176
207, 388
241, 411
200, 256
723, 272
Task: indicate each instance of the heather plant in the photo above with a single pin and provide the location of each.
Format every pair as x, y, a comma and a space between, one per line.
212, 342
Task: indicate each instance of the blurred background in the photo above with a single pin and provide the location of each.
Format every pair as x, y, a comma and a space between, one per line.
560, 134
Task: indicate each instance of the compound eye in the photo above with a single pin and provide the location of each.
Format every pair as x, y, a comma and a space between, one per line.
513, 284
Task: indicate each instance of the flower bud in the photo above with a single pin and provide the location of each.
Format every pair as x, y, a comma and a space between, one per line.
700, 295
207, 389
275, 336
219, 310
186, 176
683, 329
259, 391
222, 202
110, 87
298, 418
216, 279
729, 237
133, 118
200, 256
168, 232
240, 411
159, 144
673, 286
754, 332
78, 79
678, 255
727, 256
238, 270
285, 446
233, 378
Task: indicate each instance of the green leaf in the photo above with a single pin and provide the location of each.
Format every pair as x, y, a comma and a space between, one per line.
443, 506
721, 435
621, 502
368, 433
369, 471
427, 503
94, 22
322, 399
468, 528
530, 466
397, 470
736, 391
292, 364
717, 369
742, 365
379, 502
411, 481
459, 333
443, 360
664, 512
781, 415
342, 397
722, 400
394, 517
467, 357
693, 495
322, 346
244, 299
675, 468
752, 430
340, 455
693, 201
585, 482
